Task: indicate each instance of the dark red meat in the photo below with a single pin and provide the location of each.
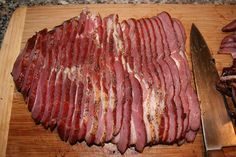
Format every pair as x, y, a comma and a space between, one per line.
100, 80
230, 27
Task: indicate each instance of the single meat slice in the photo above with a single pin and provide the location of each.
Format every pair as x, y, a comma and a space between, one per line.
182, 30
231, 51
84, 109
75, 123
64, 105
190, 135
124, 137
118, 109
95, 103
134, 49
230, 27
57, 98
70, 45
49, 98
120, 66
40, 98
228, 45
194, 115
68, 123
100, 135
137, 114
64, 45
229, 38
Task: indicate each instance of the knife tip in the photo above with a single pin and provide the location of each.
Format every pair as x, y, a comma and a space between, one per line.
193, 26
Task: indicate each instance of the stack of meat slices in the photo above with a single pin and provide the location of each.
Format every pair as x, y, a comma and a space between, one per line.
227, 85
98, 80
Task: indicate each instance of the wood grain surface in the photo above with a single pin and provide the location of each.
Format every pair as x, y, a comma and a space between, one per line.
27, 139
10, 49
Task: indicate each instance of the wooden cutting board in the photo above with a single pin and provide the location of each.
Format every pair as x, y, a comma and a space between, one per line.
19, 136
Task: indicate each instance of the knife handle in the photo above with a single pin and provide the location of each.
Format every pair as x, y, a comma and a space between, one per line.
215, 153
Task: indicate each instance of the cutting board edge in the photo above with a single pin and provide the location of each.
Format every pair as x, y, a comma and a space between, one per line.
12, 47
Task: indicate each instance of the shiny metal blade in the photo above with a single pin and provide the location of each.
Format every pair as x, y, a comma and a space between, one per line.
217, 127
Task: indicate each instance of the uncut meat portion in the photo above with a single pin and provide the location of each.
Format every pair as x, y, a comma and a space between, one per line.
99, 80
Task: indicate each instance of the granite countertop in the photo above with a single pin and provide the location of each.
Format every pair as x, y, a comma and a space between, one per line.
7, 7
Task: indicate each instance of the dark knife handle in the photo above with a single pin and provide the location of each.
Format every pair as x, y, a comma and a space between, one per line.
215, 153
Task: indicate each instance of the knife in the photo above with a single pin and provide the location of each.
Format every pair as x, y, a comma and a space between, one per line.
218, 130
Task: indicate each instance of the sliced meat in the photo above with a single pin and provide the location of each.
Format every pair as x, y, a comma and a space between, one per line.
170, 122
194, 108
57, 99
228, 45
94, 104
75, 123
146, 85
155, 97
34, 84
137, 114
40, 98
40, 50
161, 116
102, 81
230, 27
180, 60
111, 78
68, 103
23, 61
229, 38
174, 48
231, 51
107, 76
84, 109
52, 77
49, 99
95, 100
137, 117
64, 105
124, 138
190, 135
40, 102
100, 134
68, 122
87, 60
122, 63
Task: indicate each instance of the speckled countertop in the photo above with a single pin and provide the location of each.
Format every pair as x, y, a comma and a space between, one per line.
8, 6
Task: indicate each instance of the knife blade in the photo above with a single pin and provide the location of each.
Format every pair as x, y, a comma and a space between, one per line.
218, 131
